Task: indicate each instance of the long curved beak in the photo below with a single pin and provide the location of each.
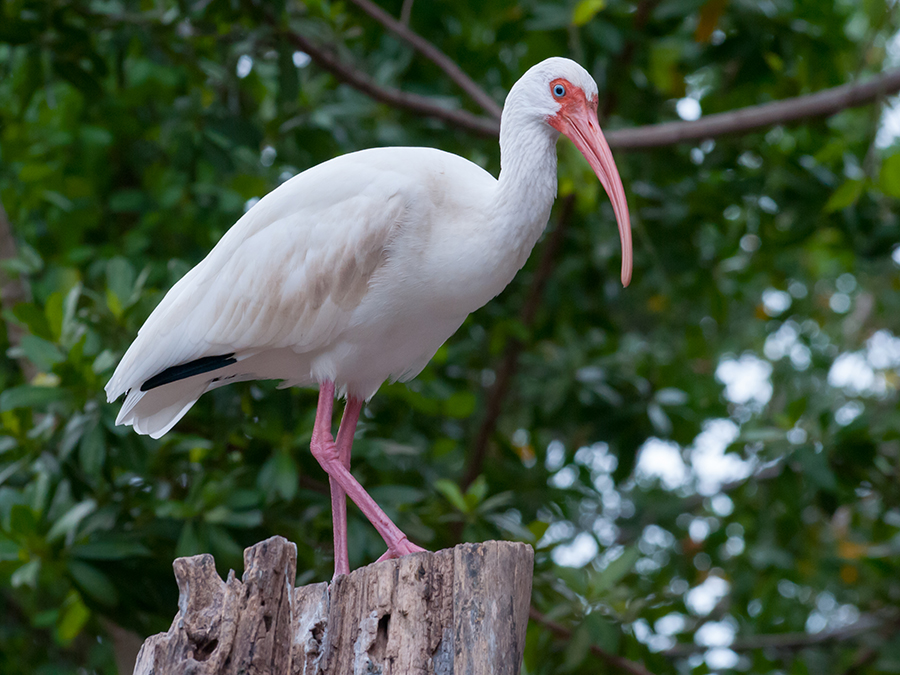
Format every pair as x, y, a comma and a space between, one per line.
582, 128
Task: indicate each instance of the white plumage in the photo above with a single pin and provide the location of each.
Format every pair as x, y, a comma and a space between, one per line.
358, 283
358, 269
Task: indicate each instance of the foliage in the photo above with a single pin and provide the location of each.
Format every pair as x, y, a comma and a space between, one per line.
133, 134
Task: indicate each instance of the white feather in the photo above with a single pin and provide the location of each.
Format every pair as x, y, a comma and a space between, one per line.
356, 270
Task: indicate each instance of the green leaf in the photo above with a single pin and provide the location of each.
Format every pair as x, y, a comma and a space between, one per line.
70, 520
58, 200
586, 10
461, 404
46, 618
658, 418
27, 574
288, 81
120, 279
94, 135
79, 78
42, 353
844, 196
538, 528
671, 396
34, 75
604, 633
280, 475
105, 361
10, 470
222, 515
53, 308
889, 178
476, 493
114, 304
664, 72
9, 550
549, 16
396, 494
93, 582
34, 318
110, 550
73, 618
576, 648
816, 470
22, 520
35, 173
70, 307
451, 491
615, 571
126, 201
29, 396
188, 541
92, 451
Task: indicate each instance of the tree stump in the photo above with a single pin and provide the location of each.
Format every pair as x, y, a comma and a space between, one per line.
459, 611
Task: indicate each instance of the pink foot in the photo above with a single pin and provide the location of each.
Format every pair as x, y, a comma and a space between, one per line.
402, 548
334, 458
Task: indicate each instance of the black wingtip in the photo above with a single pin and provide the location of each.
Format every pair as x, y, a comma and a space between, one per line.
196, 367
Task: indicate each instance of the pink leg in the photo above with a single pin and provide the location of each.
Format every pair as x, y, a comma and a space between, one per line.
328, 455
338, 496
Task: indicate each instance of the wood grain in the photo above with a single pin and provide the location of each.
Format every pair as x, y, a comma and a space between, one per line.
458, 611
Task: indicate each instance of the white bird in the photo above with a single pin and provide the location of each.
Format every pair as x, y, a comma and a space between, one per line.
357, 270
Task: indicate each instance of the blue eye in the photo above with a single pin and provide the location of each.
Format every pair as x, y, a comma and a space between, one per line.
559, 91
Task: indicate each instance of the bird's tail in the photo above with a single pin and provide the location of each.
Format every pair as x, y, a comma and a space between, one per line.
156, 411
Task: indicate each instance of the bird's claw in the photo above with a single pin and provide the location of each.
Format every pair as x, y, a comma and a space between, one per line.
402, 548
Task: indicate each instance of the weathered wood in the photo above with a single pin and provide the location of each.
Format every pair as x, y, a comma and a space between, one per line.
458, 611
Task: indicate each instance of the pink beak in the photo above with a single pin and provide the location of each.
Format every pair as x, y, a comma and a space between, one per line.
582, 128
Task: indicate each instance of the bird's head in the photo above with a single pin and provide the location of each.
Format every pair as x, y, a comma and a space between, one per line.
564, 96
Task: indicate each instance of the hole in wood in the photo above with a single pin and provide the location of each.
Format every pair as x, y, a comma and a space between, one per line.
205, 650
318, 631
379, 648
267, 619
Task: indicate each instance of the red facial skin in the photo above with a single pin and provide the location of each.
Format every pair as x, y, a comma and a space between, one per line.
577, 119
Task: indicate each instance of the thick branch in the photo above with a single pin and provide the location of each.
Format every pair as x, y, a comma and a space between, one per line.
614, 660
822, 103
433, 54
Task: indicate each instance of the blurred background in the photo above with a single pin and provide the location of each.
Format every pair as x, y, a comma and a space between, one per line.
705, 462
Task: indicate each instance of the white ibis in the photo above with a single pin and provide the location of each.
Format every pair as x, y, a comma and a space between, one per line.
357, 270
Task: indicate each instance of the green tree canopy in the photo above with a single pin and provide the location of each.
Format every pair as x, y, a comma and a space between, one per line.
706, 462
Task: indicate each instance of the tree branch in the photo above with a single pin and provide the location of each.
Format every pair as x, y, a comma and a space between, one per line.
433, 54
789, 641
422, 105
778, 642
620, 662
743, 120
510, 359
406, 12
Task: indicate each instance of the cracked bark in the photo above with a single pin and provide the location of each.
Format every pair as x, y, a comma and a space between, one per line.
461, 610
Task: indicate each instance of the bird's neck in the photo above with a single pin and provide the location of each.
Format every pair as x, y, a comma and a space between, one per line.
526, 187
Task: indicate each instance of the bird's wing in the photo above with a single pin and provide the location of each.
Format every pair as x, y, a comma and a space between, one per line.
289, 273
